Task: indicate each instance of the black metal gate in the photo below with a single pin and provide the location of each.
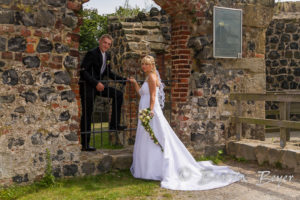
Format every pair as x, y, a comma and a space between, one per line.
100, 135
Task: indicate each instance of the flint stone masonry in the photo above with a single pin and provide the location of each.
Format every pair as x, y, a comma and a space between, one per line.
182, 43
39, 108
282, 53
41, 39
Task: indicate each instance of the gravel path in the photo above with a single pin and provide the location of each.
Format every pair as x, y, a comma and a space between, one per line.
249, 189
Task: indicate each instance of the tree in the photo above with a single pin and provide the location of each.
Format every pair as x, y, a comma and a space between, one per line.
95, 25
92, 28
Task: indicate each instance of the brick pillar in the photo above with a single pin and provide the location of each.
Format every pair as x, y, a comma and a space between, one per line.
180, 69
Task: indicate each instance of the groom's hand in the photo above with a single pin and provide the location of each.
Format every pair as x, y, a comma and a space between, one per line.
100, 87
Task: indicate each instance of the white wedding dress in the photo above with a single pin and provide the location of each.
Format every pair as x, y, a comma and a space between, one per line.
175, 167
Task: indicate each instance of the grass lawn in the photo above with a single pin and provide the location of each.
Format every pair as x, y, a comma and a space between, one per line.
104, 136
113, 185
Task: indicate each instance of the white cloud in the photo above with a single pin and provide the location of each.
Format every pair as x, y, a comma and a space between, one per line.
110, 6
106, 7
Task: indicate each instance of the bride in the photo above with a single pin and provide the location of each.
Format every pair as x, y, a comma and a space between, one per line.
172, 164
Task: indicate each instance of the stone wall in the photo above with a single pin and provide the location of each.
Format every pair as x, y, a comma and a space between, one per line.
202, 107
200, 104
282, 54
38, 70
39, 102
135, 37
282, 49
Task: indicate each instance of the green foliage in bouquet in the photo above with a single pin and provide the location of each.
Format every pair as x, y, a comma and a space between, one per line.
145, 117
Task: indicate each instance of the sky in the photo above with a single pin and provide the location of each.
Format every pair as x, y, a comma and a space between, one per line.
109, 6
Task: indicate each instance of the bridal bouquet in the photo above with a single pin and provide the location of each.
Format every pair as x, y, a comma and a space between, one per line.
145, 117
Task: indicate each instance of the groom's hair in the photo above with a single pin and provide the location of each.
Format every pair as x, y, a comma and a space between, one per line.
106, 36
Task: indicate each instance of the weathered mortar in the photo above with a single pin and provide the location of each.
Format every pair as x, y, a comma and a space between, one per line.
282, 53
38, 69
135, 37
202, 107
39, 63
282, 50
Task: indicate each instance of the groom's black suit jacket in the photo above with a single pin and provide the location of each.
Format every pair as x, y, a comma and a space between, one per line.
91, 66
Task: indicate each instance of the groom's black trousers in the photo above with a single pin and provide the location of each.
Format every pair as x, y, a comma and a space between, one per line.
88, 95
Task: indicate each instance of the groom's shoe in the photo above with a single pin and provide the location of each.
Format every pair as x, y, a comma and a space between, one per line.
88, 148
119, 128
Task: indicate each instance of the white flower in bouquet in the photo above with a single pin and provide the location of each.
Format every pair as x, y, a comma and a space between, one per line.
145, 117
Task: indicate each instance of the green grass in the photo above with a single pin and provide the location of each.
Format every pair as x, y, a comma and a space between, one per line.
110, 186
241, 159
215, 159
278, 165
106, 144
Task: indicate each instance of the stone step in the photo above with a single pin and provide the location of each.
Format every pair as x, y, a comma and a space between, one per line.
264, 152
102, 161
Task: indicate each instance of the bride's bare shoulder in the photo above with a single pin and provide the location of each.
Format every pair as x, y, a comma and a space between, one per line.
152, 77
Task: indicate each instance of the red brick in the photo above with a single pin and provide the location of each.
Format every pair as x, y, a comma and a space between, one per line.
182, 99
184, 80
198, 93
54, 105
74, 127
182, 85
57, 38
7, 55
31, 40
200, 14
30, 48
60, 87
77, 29
184, 32
7, 29
57, 59
54, 66
183, 76
58, 24
181, 90
184, 52
176, 99
183, 67
183, 95
185, 118
259, 55
184, 71
74, 36
4, 131
74, 53
18, 56
38, 33
44, 57
74, 45
25, 32
63, 128
180, 62
75, 118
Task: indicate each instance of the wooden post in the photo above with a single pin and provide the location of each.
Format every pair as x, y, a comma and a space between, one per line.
283, 116
238, 124
288, 116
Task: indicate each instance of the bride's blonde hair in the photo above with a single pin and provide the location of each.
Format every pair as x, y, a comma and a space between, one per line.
150, 61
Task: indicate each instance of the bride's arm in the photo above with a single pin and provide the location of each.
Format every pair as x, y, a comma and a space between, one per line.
136, 85
152, 89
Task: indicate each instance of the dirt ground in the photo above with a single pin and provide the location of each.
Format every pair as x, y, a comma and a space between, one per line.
270, 187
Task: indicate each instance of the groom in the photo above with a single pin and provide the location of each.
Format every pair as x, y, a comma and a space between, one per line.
95, 66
